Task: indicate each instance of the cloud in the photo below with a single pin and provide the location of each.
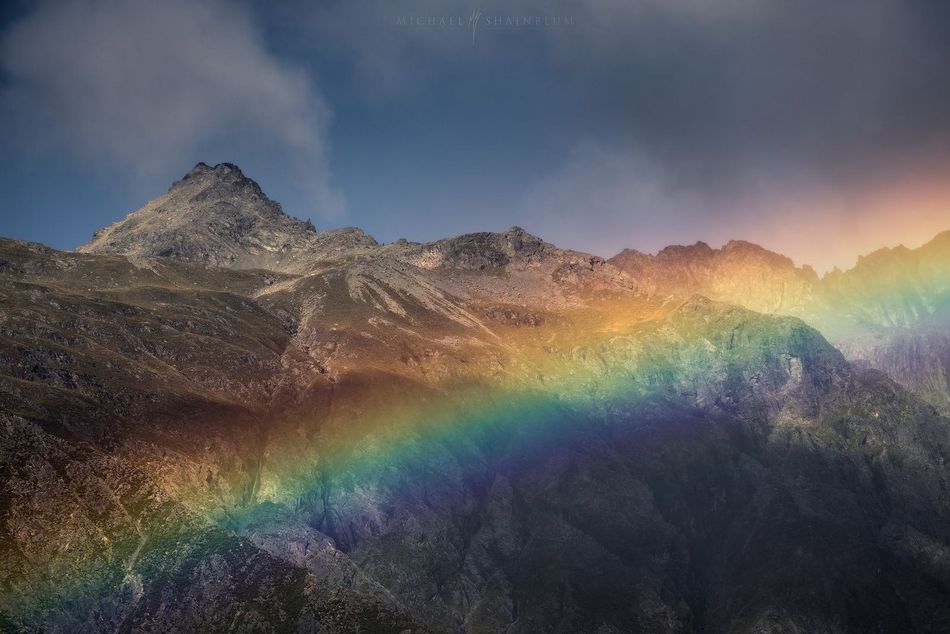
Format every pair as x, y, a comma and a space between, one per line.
602, 201
148, 85
830, 85
384, 59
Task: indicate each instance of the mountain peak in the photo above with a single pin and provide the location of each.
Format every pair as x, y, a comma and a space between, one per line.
213, 215
198, 170
221, 169
223, 177
679, 251
488, 250
743, 245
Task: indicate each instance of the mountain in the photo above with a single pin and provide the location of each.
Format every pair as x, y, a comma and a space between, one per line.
890, 312
896, 288
889, 289
739, 273
895, 305
217, 216
477, 434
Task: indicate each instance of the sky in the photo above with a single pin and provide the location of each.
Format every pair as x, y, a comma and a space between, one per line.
817, 129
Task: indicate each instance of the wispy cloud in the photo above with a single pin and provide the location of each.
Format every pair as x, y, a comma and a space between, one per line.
146, 85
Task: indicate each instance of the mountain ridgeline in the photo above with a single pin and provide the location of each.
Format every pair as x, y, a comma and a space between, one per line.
891, 311
214, 417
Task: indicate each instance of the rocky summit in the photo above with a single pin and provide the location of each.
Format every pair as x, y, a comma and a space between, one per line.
215, 216
214, 417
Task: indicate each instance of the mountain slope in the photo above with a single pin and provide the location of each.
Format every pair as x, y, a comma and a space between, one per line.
480, 434
589, 446
891, 311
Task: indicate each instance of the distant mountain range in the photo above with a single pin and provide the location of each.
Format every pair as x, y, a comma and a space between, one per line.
214, 417
891, 311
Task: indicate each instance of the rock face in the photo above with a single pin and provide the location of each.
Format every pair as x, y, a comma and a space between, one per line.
480, 434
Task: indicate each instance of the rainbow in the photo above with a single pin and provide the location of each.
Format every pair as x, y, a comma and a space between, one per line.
382, 438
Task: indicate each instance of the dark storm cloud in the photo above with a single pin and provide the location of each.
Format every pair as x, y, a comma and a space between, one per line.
775, 122
812, 85
710, 89
804, 84
811, 82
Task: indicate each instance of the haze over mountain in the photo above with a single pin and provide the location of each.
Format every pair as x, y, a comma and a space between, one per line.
215, 417
891, 311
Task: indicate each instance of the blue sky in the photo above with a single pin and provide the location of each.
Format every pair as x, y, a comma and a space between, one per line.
822, 131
